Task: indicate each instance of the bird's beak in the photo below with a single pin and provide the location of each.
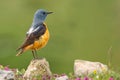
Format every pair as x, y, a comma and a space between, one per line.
49, 12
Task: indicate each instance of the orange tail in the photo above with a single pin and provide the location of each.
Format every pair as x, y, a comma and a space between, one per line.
20, 52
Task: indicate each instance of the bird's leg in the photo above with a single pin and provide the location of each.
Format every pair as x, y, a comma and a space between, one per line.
36, 55
33, 54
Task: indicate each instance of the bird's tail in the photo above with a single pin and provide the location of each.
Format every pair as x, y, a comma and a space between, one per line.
20, 51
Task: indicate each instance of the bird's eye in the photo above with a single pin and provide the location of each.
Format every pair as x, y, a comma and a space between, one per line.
44, 13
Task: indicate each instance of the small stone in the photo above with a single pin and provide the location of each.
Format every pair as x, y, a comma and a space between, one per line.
7, 75
82, 67
62, 78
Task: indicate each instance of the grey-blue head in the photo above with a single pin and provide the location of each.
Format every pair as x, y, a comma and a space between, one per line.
40, 15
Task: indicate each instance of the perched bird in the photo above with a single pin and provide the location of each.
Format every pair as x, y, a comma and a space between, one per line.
37, 35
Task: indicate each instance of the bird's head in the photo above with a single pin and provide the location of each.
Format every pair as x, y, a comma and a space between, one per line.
40, 15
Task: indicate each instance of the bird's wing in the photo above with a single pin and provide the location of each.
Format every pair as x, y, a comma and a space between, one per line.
34, 35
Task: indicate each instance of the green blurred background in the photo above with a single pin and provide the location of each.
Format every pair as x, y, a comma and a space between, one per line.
80, 29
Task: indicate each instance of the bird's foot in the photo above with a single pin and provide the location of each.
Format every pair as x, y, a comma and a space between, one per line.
38, 58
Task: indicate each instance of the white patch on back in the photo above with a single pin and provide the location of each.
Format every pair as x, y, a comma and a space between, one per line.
30, 30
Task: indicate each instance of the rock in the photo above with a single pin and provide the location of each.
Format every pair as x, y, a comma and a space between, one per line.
7, 75
62, 78
82, 67
37, 68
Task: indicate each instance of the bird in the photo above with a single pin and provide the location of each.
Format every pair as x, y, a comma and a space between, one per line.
38, 34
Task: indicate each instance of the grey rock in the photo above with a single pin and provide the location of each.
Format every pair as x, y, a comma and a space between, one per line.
7, 75
37, 67
62, 78
82, 67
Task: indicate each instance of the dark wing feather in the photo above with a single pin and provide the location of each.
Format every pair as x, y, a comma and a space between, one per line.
30, 38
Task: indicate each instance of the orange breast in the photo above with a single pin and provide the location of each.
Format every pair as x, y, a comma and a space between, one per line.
39, 43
